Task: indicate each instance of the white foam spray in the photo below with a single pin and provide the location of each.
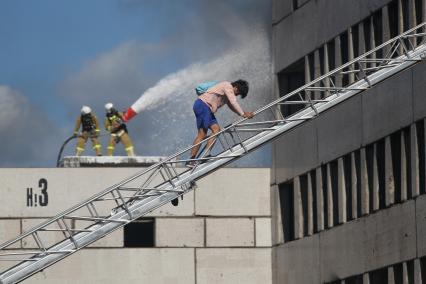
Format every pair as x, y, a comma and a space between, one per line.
250, 61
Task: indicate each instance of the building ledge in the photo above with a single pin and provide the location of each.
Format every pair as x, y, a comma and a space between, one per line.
109, 161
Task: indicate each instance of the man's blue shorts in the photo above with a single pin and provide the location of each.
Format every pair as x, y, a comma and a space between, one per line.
205, 117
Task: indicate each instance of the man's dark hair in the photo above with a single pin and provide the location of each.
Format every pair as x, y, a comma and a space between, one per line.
242, 86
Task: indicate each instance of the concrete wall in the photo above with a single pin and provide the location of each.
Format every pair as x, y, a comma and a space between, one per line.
390, 236
377, 112
219, 233
297, 33
381, 239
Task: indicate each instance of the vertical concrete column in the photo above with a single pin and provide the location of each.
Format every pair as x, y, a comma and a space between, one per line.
400, 22
414, 149
372, 41
361, 39
417, 272
423, 14
317, 72
298, 210
389, 178
354, 187
341, 191
337, 60
277, 225
375, 188
310, 207
400, 17
403, 169
412, 18
404, 273
361, 43
365, 197
307, 74
365, 278
326, 68
320, 199
385, 28
351, 76
330, 204
391, 275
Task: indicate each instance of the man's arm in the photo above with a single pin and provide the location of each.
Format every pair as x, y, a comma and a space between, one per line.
77, 125
107, 125
232, 101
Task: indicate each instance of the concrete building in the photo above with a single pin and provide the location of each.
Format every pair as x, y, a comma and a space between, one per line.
349, 185
345, 200
219, 233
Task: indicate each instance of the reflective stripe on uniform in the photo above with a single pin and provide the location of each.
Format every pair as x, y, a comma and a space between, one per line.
129, 148
97, 146
79, 148
111, 147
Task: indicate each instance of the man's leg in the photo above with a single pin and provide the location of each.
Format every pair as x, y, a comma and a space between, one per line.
81, 143
128, 145
111, 145
96, 146
200, 137
215, 128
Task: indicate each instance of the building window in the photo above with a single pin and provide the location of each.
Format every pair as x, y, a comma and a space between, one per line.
140, 233
289, 80
287, 210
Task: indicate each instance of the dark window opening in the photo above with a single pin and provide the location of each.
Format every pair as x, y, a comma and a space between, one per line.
421, 152
410, 271
140, 233
355, 40
369, 153
423, 265
405, 16
344, 52
335, 191
331, 55
378, 32
305, 202
290, 79
295, 5
287, 210
314, 201
354, 280
419, 15
358, 184
397, 272
407, 139
393, 18
381, 171
396, 163
327, 222
367, 34
347, 166
379, 276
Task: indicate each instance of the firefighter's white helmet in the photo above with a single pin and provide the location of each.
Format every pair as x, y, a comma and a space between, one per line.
109, 106
86, 110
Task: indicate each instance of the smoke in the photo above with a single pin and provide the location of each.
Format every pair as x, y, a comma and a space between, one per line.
28, 134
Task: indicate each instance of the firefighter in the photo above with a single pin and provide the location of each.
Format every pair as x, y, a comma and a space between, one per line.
90, 129
115, 125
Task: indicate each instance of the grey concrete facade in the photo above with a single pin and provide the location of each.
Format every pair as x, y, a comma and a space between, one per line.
356, 173
299, 32
361, 120
221, 232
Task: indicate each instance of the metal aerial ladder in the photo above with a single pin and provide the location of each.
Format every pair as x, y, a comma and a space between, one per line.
159, 184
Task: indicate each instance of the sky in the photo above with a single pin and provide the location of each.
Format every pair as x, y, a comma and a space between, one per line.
57, 55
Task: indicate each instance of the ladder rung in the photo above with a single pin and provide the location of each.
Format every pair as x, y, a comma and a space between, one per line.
94, 219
